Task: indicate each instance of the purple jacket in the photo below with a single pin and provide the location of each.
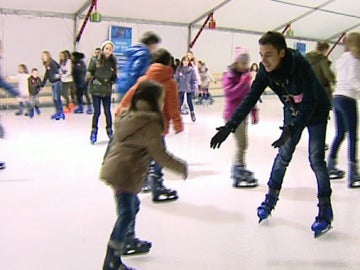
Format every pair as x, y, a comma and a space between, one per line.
236, 86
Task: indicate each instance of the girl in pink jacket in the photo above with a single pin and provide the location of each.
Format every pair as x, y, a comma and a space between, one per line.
236, 83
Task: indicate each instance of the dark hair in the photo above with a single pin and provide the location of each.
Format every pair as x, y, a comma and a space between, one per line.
161, 56
34, 69
322, 46
150, 38
150, 92
254, 67
24, 67
275, 39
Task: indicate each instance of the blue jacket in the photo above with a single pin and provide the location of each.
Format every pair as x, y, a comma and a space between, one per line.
186, 79
304, 99
138, 61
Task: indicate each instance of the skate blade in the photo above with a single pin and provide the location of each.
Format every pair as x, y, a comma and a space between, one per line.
134, 253
245, 185
336, 177
168, 199
318, 234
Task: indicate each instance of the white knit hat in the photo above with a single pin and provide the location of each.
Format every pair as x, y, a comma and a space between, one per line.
105, 43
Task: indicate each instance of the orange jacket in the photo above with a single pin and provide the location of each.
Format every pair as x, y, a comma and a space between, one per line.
164, 75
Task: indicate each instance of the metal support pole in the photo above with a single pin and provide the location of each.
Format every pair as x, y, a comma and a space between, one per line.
336, 43
201, 29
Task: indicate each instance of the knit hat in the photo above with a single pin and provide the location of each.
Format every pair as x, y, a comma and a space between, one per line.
241, 55
105, 43
78, 55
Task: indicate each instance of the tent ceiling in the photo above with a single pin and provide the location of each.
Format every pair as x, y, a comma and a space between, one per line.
327, 22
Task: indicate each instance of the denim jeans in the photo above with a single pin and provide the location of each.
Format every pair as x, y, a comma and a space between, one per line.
316, 149
346, 119
56, 95
188, 99
155, 168
128, 205
106, 101
8, 87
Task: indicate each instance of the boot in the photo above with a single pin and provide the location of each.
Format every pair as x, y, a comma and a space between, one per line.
20, 110
110, 133
93, 136
89, 109
354, 177
243, 178
79, 109
37, 109
324, 218
193, 118
135, 246
159, 192
334, 173
271, 198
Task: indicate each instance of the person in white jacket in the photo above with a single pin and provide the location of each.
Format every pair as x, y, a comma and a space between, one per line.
346, 111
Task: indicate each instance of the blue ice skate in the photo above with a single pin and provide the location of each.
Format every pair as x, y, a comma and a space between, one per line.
322, 223
264, 210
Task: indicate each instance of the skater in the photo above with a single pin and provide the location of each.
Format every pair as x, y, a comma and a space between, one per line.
137, 140
34, 83
160, 71
103, 73
22, 80
67, 80
187, 83
236, 84
138, 61
79, 73
52, 74
305, 104
346, 111
12, 91
205, 79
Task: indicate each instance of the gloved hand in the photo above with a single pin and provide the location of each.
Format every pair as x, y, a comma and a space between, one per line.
285, 135
223, 133
2, 132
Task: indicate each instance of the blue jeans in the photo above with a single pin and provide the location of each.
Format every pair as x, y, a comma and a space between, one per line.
316, 148
346, 120
188, 99
8, 87
155, 168
128, 205
106, 101
56, 95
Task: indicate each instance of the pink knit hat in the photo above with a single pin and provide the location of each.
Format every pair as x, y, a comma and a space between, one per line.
241, 55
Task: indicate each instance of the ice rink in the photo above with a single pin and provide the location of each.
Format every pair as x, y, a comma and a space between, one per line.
57, 215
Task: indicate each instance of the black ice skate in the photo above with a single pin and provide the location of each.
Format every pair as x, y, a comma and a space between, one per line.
160, 193
2, 165
135, 246
336, 174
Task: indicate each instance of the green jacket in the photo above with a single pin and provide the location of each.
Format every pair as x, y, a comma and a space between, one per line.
102, 77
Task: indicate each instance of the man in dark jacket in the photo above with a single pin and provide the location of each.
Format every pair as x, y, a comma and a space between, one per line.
305, 104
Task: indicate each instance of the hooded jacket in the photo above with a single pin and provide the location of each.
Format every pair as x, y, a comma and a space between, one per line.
304, 99
138, 61
321, 66
137, 140
164, 75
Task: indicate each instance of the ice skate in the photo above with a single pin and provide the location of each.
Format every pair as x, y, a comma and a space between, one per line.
264, 210
354, 177
160, 193
322, 223
336, 174
110, 133
31, 113
89, 109
2, 165
79, 109
37, 109
135, 246
193, 117
113, 261
146, 185
93, 136
243, 178
59, 116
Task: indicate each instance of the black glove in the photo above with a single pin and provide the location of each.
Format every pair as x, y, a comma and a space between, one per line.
285, 135
223, 133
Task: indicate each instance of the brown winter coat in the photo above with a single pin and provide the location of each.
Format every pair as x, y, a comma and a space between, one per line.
164, 75
137, 140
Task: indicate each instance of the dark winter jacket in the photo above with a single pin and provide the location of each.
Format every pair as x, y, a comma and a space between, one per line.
138, 61
304, 99
103, 76
79, 73
52, 72
34, 85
